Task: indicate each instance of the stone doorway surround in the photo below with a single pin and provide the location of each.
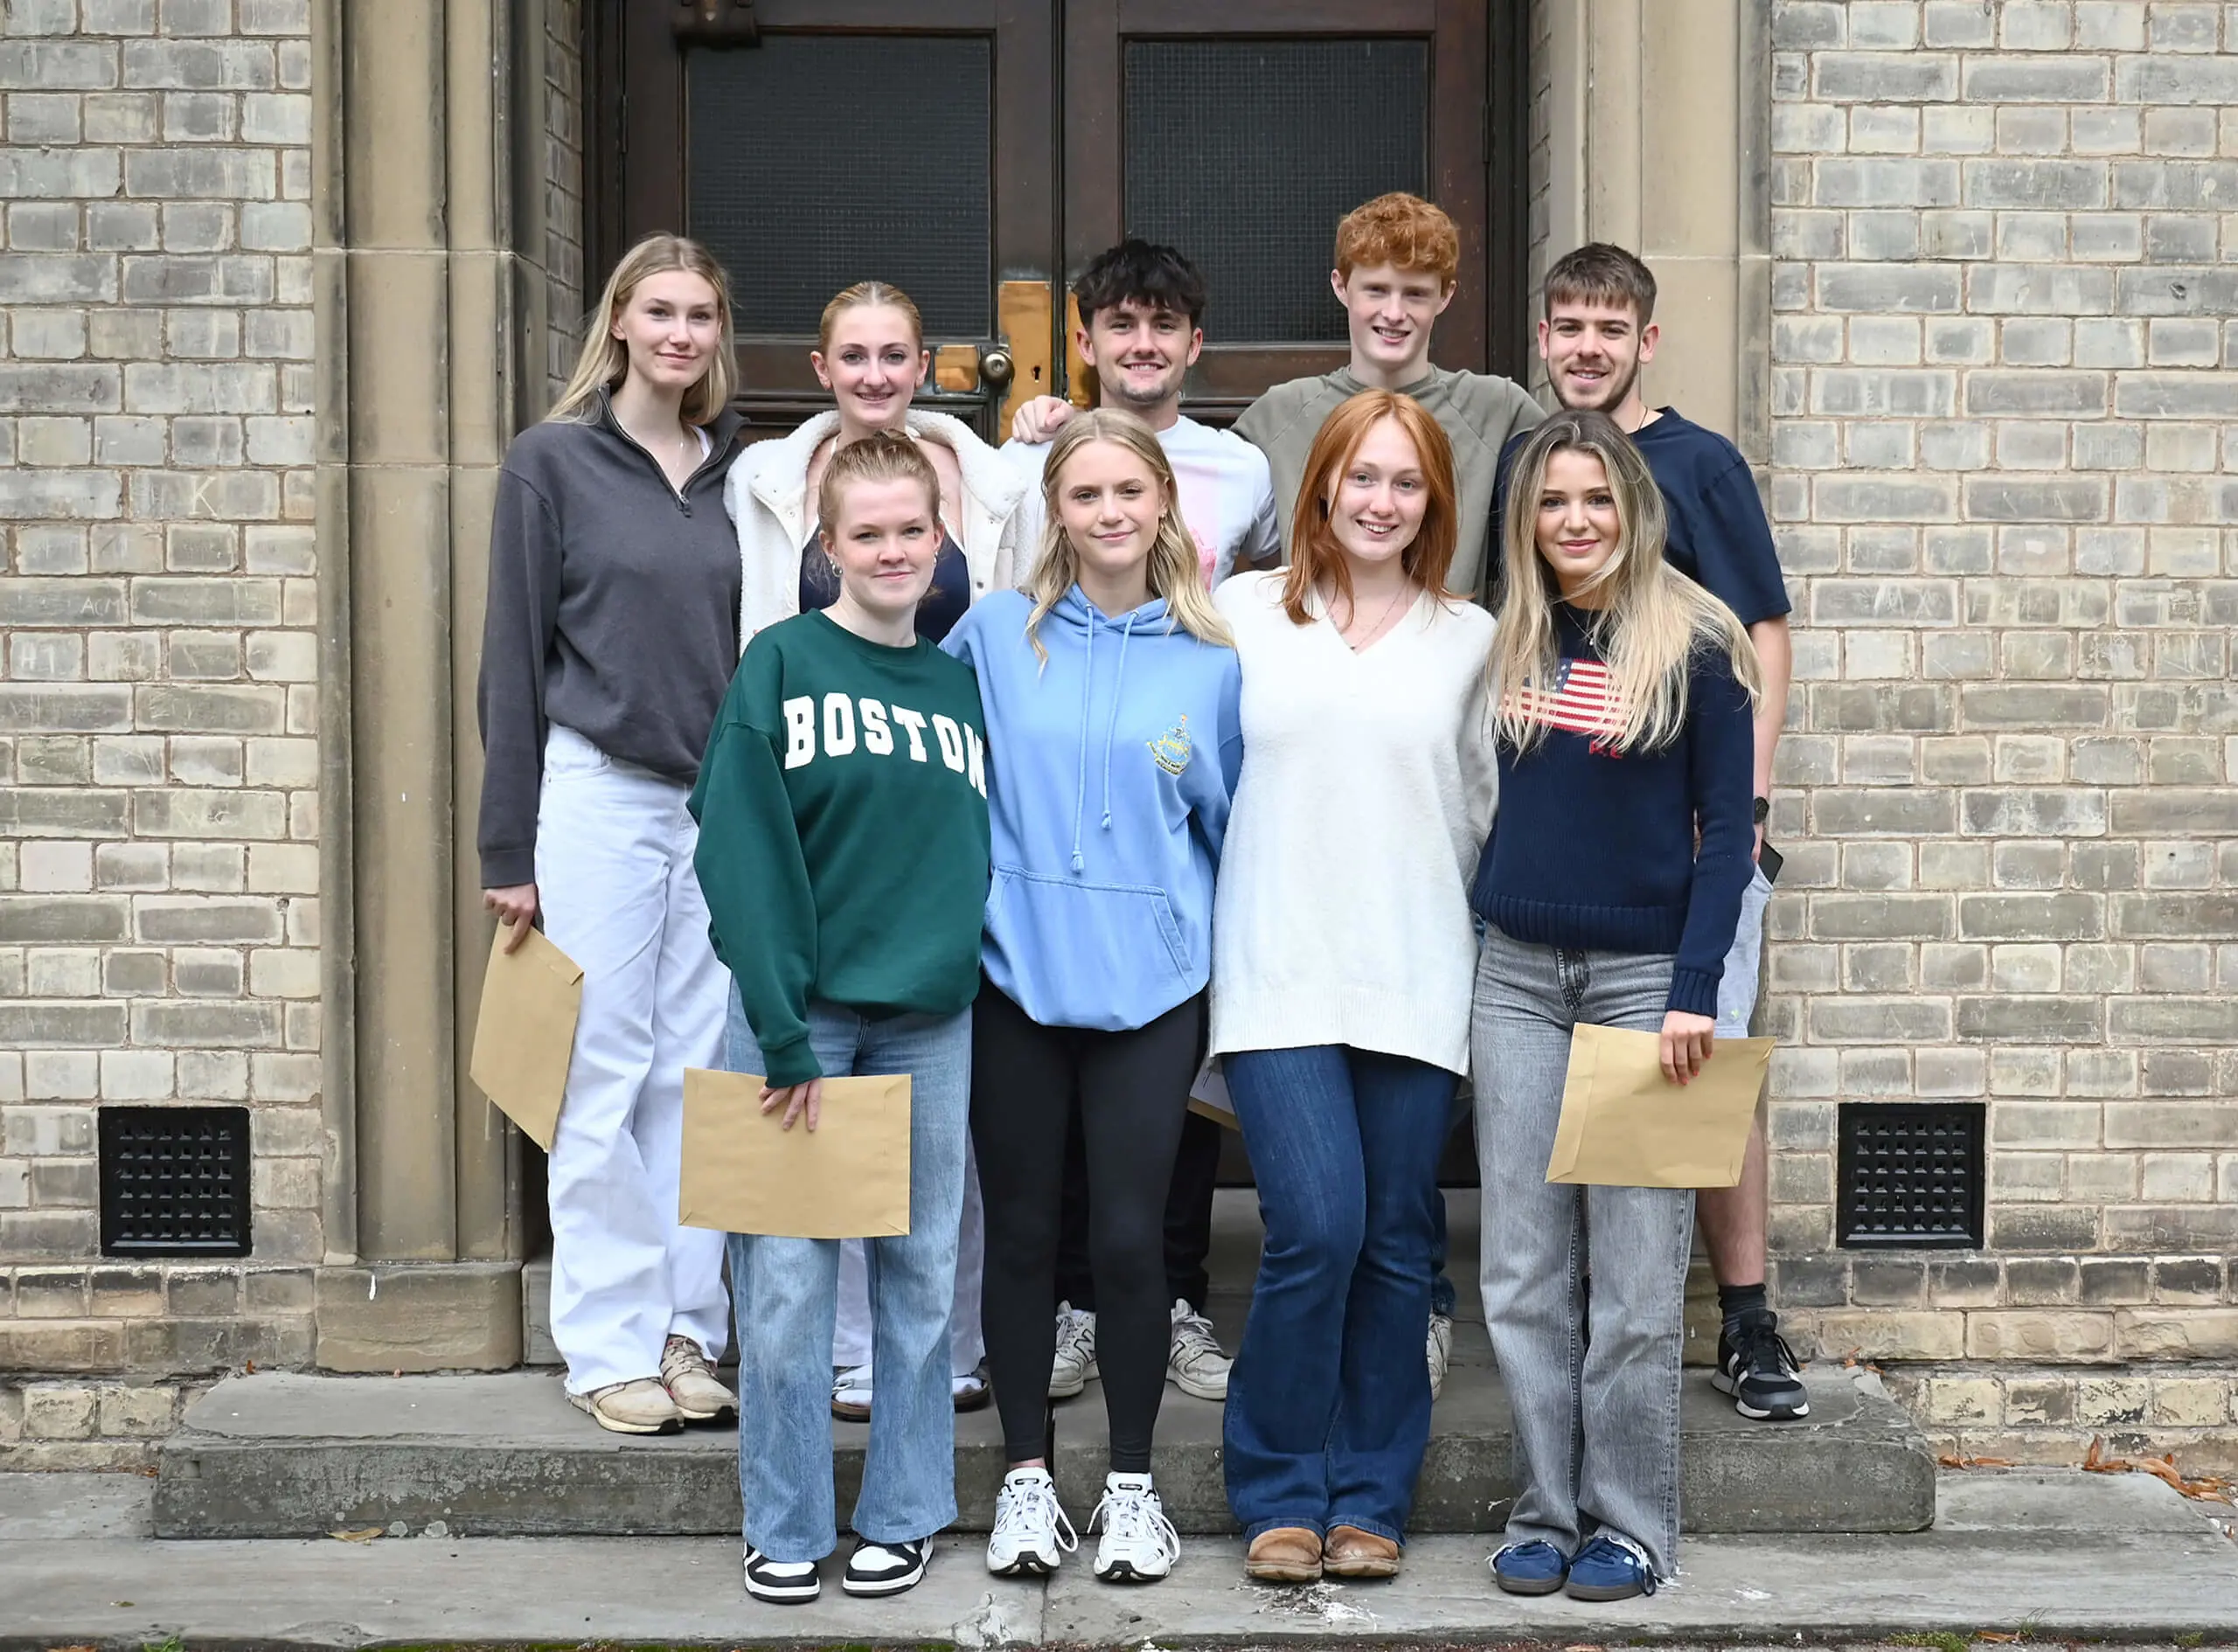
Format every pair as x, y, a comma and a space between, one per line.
442, 244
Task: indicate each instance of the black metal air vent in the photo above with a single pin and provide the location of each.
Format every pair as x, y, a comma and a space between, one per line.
1910, 1175
175, 1181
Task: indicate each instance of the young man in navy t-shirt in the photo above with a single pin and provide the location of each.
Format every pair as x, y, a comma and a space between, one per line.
1598, 331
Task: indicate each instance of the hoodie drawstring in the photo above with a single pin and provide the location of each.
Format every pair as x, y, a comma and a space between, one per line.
1079, 785
1118, 684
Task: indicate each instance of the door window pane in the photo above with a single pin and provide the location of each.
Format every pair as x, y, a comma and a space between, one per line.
819, 161
1244, 153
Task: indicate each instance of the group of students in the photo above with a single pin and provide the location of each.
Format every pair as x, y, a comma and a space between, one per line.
1377, 745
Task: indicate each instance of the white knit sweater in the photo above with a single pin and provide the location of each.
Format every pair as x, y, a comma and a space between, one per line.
1341, 915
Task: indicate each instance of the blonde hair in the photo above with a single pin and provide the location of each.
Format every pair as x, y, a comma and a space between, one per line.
1652, 621
604, 360
884, 455
866, 295
1175, 572
1316, 557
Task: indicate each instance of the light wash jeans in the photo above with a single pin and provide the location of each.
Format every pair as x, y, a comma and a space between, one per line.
1736, 989
966, 1345
787, 1293
614, 846
1596, 1416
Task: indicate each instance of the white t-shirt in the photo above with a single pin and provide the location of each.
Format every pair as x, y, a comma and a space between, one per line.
1227, 497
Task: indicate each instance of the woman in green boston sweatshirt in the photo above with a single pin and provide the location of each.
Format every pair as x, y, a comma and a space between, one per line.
843, 853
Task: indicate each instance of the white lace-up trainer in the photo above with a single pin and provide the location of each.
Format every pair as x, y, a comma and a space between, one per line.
1195, 1364
689, 1375
1075, 1362
1139, 1544
1032, 1534
1439, 1351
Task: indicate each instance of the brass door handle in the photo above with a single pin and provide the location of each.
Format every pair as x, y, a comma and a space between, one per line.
996, 368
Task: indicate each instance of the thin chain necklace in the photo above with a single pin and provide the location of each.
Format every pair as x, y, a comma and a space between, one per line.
1384, 620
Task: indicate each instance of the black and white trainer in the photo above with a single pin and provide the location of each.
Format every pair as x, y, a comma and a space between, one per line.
781, 1582
887, 1568
1759, 1369
1032, 1534
1140, 1544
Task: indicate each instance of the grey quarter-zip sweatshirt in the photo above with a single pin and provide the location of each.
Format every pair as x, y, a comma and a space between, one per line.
613, 611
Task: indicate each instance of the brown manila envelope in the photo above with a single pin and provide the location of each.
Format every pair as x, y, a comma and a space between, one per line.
525, 1035
1623, 1124
745, 1173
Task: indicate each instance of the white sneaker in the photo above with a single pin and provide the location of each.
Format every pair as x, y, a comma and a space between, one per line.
1196, 1365
1440, 1350
1075, 1362
1139, 1545
1032, 1534
851, 1393
689, 1375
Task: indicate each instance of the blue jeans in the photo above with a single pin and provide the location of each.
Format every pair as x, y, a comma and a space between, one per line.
1328, 1405
787, 1293
1593, 1377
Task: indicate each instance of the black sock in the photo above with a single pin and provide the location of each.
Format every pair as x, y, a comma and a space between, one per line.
1737, 1302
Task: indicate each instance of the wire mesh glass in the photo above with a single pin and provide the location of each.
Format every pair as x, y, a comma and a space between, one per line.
819, 161
1244, 153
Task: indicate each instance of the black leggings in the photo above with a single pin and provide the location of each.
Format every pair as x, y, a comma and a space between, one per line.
1132, 1090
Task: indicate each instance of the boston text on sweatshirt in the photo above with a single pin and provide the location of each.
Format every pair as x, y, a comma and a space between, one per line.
843, 832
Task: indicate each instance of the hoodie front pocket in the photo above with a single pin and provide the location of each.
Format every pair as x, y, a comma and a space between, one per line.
1094, 953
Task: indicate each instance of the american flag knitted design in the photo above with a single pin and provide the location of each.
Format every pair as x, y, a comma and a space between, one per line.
1584, 701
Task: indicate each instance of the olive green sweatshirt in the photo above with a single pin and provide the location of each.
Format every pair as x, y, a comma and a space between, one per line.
843, 832
1478, 412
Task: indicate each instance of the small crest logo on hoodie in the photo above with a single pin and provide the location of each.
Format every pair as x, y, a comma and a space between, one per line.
1172, 749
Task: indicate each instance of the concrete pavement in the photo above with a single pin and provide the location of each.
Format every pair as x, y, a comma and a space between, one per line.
2045, 1553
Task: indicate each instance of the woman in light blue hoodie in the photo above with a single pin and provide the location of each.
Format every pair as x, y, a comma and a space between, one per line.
1113, 747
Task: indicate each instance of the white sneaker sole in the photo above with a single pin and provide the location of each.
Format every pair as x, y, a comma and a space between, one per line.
1126, 1571
1724, 1385
875, 1586
616, 1425
1027, 1565
1198, 1387
1060, 1389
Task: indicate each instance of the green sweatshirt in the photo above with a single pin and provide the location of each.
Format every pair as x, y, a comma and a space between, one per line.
843, 832
1479, 412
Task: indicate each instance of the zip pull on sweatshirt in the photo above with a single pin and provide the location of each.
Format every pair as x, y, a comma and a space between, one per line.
1109, 929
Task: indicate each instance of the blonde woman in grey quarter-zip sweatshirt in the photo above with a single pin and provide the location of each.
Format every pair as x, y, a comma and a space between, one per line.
609, 640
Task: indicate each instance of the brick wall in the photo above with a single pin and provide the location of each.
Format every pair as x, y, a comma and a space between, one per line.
158, 742
2005, 423
563, 189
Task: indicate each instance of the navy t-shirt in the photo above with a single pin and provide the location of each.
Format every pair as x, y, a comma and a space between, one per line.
1718, 536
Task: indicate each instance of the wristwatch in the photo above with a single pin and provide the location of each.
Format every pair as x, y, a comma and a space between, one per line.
1763, 811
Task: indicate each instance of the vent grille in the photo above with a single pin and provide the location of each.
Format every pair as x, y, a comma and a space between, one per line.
175, 1181
1910, 1175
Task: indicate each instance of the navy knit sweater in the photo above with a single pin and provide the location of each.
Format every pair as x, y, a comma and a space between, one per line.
1594, 848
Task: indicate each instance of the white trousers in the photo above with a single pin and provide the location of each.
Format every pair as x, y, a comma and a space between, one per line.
614, 872
967, 1345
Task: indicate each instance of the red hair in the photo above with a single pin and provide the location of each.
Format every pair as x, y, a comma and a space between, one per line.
1315, 554
1403, 231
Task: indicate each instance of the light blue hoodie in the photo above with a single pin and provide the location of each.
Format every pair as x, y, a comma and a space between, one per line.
1110, 773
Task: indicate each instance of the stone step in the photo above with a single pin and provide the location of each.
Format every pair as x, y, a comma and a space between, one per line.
289, 1455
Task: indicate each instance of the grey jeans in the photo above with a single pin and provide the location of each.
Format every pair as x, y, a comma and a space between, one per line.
1596, 1415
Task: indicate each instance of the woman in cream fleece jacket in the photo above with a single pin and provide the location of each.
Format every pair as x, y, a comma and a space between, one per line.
870, 355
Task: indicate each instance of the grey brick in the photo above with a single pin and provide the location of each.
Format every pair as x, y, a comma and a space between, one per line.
2064, 917
1852, 1019
169, 1023
56, 387
2032, 707
1877, 289
2209, 811
1906, 393
1848, 181
61, 602
220, 174
1889, 77
60, 1024
172, 920
2208, 186
2039, 289
2176, 395
2001, 497
1877, 498
1900, 811
2037, 80
246, 709
2176, 80
49, 919
1879, 917
2031, 1018
55, 65
234, 65
2172, 291
2042, 185
2209, 915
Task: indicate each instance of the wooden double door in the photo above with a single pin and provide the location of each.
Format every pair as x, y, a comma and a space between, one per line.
979, 153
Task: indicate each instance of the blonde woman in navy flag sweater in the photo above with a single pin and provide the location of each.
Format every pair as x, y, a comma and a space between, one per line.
1624, 722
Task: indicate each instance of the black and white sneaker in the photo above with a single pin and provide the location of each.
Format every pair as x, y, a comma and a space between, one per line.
885, 1568
1759, 1369
781, 1582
